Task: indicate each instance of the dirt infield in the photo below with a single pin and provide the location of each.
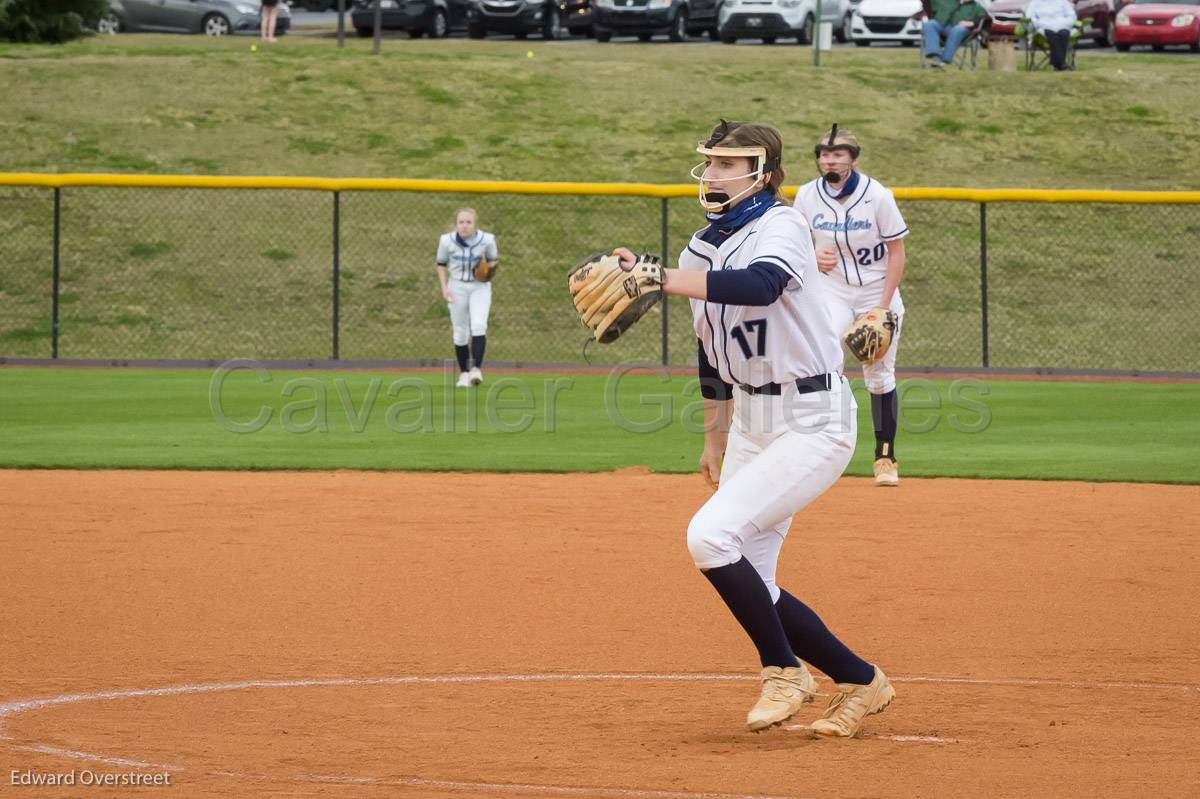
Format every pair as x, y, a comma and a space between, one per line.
445, 635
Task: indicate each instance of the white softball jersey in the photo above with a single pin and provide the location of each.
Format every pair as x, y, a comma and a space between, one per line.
786, 448
461, 257
792, 337
859, 227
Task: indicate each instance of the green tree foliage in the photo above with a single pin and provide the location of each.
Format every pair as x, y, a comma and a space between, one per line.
52, 21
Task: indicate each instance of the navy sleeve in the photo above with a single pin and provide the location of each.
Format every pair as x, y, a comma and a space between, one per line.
760, 283
711, 385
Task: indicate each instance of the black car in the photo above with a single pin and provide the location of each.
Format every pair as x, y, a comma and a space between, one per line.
419, 17
677, 19
523, 17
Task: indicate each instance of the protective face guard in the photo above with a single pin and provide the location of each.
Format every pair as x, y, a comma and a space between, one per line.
759, 156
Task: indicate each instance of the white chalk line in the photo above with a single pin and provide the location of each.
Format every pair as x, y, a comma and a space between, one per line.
22, 706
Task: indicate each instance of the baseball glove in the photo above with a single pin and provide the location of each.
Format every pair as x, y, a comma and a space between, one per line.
485, 270
870, 335
610, 297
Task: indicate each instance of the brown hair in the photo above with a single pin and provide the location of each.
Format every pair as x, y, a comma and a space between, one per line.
843, 138
471, 211
754, 134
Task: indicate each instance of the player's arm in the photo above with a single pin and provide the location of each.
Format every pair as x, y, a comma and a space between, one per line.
718, 407
895, 271
441, 270
761, 283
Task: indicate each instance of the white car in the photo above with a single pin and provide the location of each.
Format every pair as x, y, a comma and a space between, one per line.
887, 21
781, 19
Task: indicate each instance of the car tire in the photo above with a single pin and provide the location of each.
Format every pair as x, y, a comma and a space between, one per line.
806, 30
768, 40
679, 29
729, 40
364, 32
108, 24
522, 35
552, 26
437, 26
1123, 48
906, 43
1110, 34
216, 25
603, 36
645, 37
843, 33
416, 33
1195, 46
476, 32
865, 42
1158, 48
582, 30
714, 34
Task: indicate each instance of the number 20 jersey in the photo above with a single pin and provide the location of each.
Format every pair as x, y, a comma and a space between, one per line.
792, 337
859, 228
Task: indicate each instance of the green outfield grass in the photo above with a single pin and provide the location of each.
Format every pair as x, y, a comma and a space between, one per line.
96, 418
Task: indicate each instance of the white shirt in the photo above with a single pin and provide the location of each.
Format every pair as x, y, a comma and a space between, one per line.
461, 259
1051, 15
792, 337
858, 227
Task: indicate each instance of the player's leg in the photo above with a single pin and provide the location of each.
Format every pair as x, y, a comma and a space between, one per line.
880, 379
481, 306
460, 322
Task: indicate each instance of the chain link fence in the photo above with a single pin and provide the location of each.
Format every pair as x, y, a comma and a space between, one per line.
212, 274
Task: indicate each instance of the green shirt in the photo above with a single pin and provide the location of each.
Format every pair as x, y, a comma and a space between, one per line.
952, 12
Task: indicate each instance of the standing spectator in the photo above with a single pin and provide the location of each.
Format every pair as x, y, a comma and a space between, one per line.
949, 20
459, 253
268, 13
1054, 19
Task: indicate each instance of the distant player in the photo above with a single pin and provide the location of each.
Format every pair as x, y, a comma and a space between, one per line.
859, 237
780, 419
470, 300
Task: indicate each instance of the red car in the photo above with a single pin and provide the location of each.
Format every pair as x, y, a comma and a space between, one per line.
1159, 24
1006, 13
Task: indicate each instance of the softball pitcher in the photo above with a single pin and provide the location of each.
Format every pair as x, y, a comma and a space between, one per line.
780, 419
470, 300
859, 237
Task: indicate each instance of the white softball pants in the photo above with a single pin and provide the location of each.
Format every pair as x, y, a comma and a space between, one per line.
783, 452
846, 303
470, 304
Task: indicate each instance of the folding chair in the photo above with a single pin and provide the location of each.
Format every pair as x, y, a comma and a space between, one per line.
969, 49
1037, 49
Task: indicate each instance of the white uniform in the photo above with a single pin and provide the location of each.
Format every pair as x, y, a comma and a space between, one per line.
788, 444
859, 228
470, 300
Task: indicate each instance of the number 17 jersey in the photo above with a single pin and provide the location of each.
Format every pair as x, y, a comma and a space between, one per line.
858, 228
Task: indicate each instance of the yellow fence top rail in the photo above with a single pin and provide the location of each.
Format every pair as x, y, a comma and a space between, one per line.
661, 191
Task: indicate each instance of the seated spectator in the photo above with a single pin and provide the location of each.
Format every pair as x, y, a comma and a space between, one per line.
1054, 19
950, 20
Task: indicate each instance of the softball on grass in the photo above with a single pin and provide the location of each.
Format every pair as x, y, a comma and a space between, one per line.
529, 54
254, 48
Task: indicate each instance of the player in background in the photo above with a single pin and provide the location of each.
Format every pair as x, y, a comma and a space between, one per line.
470, 300
780, 420
859, 237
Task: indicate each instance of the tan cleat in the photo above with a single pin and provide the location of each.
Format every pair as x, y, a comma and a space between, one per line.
784, 690
853, 703
887, 473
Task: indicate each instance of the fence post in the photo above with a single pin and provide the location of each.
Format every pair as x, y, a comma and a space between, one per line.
983, 279
665, 330
337, 195
55, 281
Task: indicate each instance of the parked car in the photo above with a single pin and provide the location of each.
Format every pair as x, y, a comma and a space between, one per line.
887, 21
211, 17
550, 18
419, 17
676, 19
1158, 24
770, 20
1103, 13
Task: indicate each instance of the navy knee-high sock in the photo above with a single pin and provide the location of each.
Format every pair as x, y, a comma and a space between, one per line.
884, 410
461, 352
478, 345
811, 640
748, 598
